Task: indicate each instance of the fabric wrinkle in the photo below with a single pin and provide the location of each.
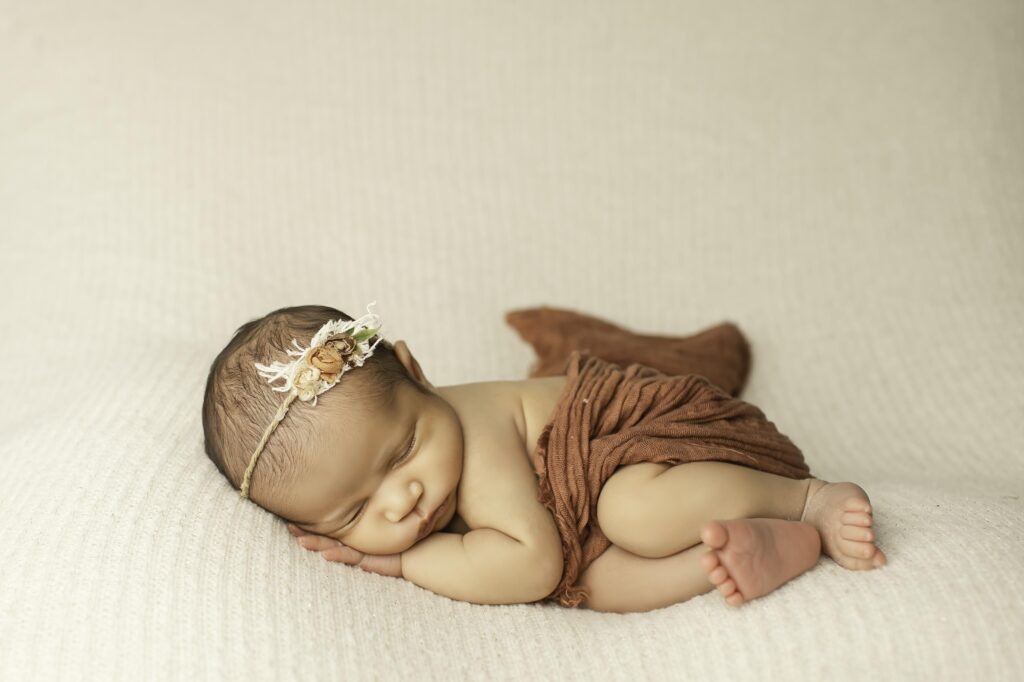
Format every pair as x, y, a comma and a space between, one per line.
610, 416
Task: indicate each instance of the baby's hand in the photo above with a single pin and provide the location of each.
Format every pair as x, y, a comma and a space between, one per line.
335, 550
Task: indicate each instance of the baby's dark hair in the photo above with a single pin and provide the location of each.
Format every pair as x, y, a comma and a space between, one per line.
239, 404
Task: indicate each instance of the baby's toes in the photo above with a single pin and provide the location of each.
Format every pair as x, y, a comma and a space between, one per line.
717, 573
727, 588
854, 564
856, 504
876, 559
857, 550
856, 519
709, 561
858, 533
718, 576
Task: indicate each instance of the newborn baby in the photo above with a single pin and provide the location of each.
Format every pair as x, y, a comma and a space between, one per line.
374, 466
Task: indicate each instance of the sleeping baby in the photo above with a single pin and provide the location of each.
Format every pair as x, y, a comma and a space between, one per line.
615, 487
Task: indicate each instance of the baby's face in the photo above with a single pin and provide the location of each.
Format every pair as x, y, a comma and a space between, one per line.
373, 481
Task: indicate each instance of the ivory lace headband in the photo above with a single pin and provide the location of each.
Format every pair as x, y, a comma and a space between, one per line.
337, 347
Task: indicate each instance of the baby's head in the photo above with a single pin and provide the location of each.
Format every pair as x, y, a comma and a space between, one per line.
382, 444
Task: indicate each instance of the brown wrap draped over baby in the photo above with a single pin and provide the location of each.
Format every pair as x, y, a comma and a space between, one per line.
634, 398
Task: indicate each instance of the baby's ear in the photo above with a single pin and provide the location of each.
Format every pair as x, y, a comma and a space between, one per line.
410, 363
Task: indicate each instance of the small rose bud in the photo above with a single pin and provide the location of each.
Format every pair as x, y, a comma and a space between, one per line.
307, 382
327, 359
343, 344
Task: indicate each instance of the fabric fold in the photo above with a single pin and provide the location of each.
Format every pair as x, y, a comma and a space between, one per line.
610, 416
720, 352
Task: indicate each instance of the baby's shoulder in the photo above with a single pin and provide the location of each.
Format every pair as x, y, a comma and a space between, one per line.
501, 422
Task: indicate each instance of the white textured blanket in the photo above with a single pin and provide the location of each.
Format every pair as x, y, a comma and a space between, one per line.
845, 181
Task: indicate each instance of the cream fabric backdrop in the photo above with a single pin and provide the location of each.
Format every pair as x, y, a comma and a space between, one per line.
845, 181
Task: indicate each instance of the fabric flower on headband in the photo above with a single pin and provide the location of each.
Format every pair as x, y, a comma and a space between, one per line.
318, 367
337, 347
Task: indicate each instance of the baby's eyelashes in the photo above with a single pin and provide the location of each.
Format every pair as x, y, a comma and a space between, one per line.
408, 452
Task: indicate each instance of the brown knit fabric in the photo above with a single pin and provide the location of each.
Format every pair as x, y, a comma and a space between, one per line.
609, 416
719, 353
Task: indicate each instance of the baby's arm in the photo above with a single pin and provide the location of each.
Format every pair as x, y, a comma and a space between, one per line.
484, 566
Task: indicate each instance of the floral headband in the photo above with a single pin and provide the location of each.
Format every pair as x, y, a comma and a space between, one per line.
339, 346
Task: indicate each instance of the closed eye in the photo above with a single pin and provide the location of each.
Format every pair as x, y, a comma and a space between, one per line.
405, 456
401, 460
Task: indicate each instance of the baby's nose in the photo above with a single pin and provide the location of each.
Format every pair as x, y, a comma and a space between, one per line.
416, 488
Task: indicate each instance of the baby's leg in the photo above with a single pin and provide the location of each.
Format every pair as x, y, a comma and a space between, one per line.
621, 582
655, 510
744, 559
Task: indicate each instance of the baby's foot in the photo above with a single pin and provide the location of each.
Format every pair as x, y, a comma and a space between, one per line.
749, 558
842, 514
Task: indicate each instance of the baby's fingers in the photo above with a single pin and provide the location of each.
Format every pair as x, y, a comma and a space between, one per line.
343, 554
329, 548
317, 543
311, 541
